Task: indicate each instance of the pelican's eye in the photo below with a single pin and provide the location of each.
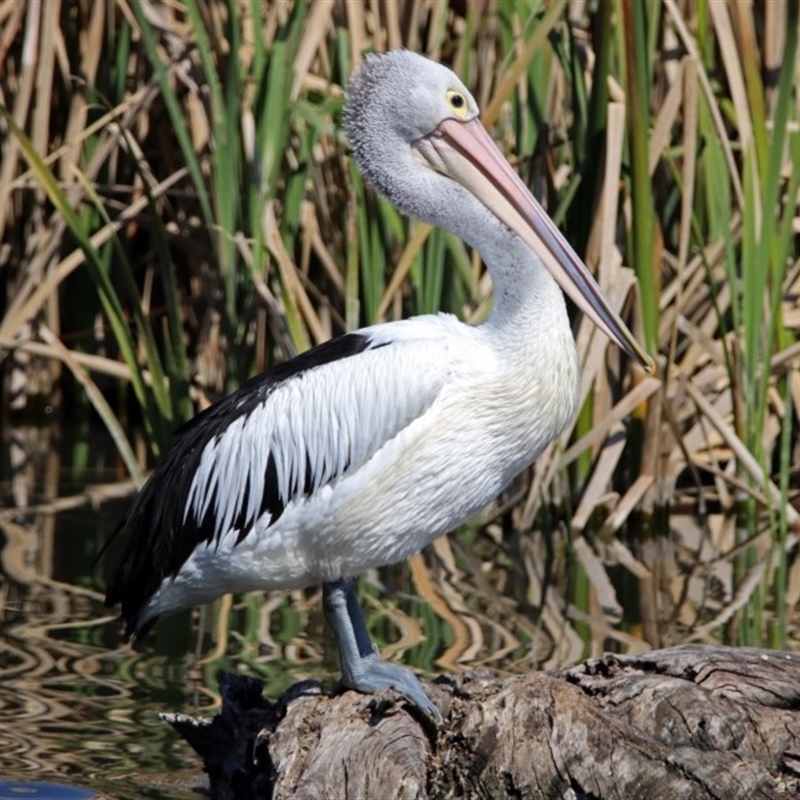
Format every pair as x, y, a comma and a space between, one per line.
458, 103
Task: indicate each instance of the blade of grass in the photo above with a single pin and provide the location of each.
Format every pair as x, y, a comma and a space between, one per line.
100, 405
174, 110
224, 104
637, 71
106, 290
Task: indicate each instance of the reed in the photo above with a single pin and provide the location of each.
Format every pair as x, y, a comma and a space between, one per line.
178, 211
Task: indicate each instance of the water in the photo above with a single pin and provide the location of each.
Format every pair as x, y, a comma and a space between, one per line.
9, 790
79, 709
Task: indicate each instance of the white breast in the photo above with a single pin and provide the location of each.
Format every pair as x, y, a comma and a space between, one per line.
488, 420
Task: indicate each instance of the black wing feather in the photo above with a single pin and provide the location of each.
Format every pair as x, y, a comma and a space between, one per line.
159, 540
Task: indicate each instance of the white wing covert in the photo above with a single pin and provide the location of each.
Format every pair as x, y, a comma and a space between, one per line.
282, 436
304, 432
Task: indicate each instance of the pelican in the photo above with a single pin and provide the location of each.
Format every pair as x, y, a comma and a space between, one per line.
362, 450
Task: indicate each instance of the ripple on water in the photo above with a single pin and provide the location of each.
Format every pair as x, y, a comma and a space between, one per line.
15, 790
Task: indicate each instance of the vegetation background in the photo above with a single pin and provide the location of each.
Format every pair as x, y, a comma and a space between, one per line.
178, 211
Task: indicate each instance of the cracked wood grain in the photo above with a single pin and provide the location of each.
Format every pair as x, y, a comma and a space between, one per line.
689, 722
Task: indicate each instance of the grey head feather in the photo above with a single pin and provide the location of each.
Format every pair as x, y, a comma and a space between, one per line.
393, 100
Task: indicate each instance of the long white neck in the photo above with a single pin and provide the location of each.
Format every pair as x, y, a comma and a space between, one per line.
529, 309
526, 298
529, 314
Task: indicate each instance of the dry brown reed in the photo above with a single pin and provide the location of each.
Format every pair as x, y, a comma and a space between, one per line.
199, 150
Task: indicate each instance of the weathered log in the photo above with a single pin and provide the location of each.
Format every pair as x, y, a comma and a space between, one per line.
687, 722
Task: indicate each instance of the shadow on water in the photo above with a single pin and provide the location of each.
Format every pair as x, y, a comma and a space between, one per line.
79, 709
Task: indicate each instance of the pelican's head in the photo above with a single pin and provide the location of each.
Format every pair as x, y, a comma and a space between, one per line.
416, 136
401, 98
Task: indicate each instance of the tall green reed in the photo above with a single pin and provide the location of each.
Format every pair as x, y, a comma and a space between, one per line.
757, 252
252, 95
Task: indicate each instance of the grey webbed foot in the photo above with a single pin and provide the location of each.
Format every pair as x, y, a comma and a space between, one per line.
371, 674
362, 667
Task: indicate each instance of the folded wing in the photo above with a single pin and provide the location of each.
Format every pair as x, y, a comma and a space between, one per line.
282, 436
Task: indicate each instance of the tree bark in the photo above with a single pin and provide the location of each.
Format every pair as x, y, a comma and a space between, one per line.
687, 722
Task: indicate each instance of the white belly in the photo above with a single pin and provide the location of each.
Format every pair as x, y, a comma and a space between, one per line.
436, 473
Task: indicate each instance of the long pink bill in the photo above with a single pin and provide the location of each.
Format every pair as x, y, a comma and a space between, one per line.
465, 152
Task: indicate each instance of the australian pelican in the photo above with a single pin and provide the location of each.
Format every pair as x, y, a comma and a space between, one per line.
361, 451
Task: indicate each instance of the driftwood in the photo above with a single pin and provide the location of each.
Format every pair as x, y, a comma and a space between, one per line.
687, 722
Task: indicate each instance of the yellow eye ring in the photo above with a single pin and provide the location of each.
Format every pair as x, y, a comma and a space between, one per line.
458, 103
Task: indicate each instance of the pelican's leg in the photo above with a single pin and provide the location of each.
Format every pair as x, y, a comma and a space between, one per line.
362, 668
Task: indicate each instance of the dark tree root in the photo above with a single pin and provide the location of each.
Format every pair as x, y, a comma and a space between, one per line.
687, 722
